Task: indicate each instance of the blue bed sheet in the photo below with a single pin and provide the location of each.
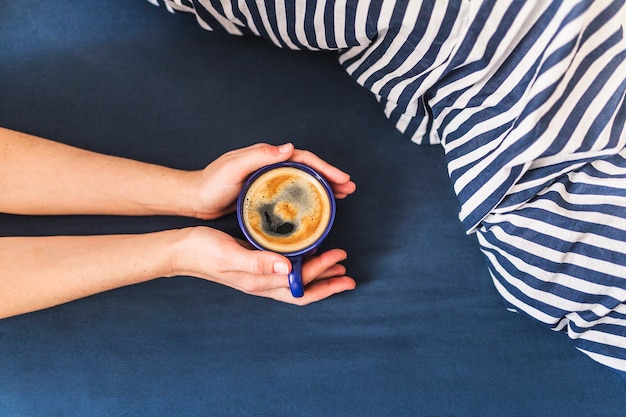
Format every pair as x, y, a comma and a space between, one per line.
424, 333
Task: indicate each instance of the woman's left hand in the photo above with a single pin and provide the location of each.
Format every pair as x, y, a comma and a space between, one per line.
220, 183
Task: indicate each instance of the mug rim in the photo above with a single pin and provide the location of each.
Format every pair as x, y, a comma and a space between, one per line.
308, 170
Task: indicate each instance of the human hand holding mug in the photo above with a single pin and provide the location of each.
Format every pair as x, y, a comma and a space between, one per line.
288, 208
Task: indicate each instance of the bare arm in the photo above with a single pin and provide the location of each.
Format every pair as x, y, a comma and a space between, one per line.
39, 176
39, 272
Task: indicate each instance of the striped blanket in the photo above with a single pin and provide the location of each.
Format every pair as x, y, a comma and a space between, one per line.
527, 100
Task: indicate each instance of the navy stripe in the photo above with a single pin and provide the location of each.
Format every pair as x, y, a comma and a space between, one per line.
615, 315
256, 19
309, 27
566, 247
421, 113
576, 113
290, 15
475, 216
591, 190
617, 130
601, 348
349, 33
610, 110
401, 56
380, 52
470, 39
329, 24
204, 15
599, 22
270, 15
511, 63
426, 61
242, 18
548, 309
548, 287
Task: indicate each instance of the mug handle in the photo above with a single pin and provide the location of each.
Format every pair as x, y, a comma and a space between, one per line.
295, 277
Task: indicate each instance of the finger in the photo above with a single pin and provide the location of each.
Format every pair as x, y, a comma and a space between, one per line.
252, 158
317, 265
323, 277
330, 172
256, 262
341, 191
314, 292
320, 290
257, 156
334, 271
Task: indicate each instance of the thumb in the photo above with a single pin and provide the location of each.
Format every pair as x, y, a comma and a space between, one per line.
257, 156
261, 262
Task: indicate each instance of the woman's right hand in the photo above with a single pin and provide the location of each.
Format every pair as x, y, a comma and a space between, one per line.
216, 256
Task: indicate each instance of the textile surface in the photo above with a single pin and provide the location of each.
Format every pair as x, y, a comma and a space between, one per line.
424, 334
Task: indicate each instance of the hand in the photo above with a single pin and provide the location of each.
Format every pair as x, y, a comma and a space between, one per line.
213, 255
219, 183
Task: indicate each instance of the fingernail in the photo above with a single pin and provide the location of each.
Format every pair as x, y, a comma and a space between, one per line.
281, 268
286, 148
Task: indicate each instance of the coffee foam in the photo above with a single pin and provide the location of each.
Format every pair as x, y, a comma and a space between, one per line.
286, 210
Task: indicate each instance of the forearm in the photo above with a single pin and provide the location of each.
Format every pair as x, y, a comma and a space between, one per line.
38, 176
40, 272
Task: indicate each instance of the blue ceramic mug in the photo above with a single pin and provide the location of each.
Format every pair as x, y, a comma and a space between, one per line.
288, 208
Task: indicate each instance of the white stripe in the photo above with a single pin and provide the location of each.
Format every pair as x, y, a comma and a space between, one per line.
552, 255
587, 331
543, 296
477, 80
408, 22
300, 10
281, 22
606, 360
581, 200
382, 25
399, 43
531, 311
350, 53
229, 12
318, 22
614, 182
608, 168
266, 23
422, 129
243, 7
225, 23
340, 24
360, 22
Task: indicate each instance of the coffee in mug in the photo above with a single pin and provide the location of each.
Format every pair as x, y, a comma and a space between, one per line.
287, 208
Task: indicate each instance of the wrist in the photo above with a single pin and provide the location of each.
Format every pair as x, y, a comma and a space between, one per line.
178, 253
182, 196
190, 202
